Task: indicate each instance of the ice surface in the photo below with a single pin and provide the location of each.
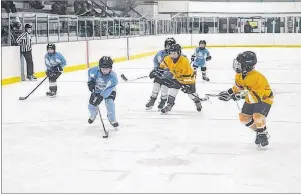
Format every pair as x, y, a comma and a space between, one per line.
48, 145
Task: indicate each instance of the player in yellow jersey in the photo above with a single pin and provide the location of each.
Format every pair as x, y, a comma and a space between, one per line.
177, 74
259, 97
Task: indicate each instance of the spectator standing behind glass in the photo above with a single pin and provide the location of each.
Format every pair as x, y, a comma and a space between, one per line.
24, 40
15, 32
247, 27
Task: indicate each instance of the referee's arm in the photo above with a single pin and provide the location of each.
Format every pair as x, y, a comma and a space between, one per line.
21, 37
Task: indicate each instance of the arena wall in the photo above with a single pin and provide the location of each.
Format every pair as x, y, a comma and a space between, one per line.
83, 54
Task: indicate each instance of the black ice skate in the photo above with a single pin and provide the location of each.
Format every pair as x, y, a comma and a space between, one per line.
167, 108
161, 104
114, 123
150, 103
198, 105
262, 139
206, 78
92, 119
31, 78
51, 94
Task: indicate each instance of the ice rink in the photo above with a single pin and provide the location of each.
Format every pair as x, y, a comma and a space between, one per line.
48, 145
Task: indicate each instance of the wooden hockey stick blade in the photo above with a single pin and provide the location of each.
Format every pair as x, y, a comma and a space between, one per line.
22, 98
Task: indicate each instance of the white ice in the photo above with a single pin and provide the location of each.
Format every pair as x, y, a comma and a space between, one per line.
48, 145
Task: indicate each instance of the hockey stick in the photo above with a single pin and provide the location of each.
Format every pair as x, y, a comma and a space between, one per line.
181, 87
24, 98
103, 126
127, 80
217, 95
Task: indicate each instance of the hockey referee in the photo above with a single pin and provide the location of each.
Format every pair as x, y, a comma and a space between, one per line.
24, 40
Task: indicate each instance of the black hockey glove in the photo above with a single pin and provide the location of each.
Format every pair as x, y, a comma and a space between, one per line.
95, 99
50, 73
57, 68
186, 88
152, 74
91, 85
225, 95
192, 58
237, 96
208, 58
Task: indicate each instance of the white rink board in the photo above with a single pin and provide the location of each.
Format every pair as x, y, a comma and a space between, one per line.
116, 48
77, 53
51, 148
10, 62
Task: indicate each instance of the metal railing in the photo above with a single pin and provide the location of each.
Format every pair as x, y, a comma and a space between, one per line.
54, 28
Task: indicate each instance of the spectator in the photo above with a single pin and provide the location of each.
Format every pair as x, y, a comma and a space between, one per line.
9, 6
24, 40
15, 32
248, 28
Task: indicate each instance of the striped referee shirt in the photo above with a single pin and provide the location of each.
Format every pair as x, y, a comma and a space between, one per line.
25, 42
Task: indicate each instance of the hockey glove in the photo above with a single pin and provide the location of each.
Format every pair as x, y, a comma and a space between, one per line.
57, 68
152, 74
192, 58
208, 58
91, 85
50, 73
95, 99
237, 96
225, 95
186, 88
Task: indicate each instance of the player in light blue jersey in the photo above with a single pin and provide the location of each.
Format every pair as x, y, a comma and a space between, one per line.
102, 83
55, 62
158, 84
199, 58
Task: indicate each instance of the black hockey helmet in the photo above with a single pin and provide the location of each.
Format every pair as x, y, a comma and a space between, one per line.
51, 46
169, 42
105, 62
245, 62
28, 26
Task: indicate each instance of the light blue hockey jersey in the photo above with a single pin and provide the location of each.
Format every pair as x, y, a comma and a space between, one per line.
200, 57
159, 58
104, 84
54, 59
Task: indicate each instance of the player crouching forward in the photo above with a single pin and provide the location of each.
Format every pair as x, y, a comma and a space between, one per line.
181, 76
259, 97
158, 85
102, 83
55, 62
199, 58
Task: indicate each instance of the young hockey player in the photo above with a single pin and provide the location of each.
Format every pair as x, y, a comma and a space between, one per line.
199, 58
102, 83
55, 62
158, 85
180, 75
258, 99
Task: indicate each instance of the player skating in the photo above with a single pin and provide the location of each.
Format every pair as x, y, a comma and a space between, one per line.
102, 83
258, 99
158, 85
55, 62
199, 58
179, 75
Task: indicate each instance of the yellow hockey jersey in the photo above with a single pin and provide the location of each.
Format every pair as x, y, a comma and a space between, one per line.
257, 86
181, 70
